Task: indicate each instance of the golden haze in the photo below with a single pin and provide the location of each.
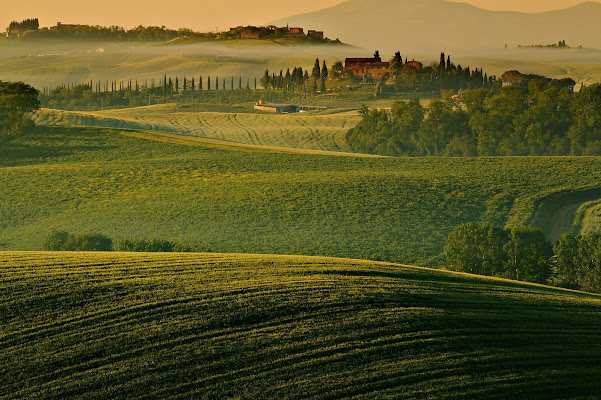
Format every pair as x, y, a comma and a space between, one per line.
202, 15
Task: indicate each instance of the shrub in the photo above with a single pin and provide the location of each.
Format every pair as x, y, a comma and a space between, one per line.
151, 246
56, 240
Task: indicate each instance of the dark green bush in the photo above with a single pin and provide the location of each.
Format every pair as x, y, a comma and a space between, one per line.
151, 246
63, 241
56, 240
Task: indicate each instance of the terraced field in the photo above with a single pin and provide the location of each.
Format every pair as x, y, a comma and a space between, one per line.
119, 325
237, 199
313, 132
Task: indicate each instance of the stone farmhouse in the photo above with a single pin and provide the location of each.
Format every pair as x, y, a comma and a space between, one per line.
372, 69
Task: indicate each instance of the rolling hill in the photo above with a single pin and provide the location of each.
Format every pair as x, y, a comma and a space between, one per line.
232, 198
301, 131
430, 26
216, 326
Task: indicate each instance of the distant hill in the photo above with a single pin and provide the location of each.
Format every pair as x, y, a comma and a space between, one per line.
434, 25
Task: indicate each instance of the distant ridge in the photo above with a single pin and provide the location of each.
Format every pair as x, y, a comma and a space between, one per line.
431, 25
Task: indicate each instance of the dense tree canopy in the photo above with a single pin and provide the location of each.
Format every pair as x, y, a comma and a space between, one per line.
525, 254
578, 261
542, 119
480, 248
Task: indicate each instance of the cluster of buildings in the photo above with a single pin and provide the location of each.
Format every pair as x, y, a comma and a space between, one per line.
270, 31
285, 108
374, 68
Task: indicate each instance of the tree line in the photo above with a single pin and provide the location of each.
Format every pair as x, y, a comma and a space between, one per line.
18, 27
541, 119
30, 28
444, 75
299, 80
525, 254
93, 241
133, 93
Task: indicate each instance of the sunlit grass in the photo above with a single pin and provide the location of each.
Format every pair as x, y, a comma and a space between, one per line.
116, 325
232, 199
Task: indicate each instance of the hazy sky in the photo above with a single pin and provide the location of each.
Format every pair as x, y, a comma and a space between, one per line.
201, 14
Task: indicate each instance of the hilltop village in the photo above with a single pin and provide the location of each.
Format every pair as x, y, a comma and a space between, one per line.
30, 28
275, 32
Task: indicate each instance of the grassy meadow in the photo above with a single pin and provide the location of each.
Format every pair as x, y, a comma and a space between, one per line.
237, 199
207, 326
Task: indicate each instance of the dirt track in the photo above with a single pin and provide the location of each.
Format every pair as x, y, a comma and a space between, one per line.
555, 215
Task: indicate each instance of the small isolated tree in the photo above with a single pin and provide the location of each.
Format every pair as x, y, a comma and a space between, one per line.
337, 69
17, 102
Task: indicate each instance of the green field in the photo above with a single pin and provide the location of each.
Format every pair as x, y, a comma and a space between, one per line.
229, 198
123, 325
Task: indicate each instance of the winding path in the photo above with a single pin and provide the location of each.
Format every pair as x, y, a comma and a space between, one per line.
555, 215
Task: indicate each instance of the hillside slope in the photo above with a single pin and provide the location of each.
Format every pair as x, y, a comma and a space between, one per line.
241, 326
236, 199
438, 25
312, 132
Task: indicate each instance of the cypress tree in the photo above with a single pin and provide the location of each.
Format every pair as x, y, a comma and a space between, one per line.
324, 70
185, 83
176, 84
240, 83
217, 83
193, 84
209, 83
316, 71
232, 84
200, 84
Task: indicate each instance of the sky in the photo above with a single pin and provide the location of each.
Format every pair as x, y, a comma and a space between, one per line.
202, 15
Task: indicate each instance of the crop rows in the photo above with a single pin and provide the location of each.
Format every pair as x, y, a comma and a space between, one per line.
316, 132
216, 326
